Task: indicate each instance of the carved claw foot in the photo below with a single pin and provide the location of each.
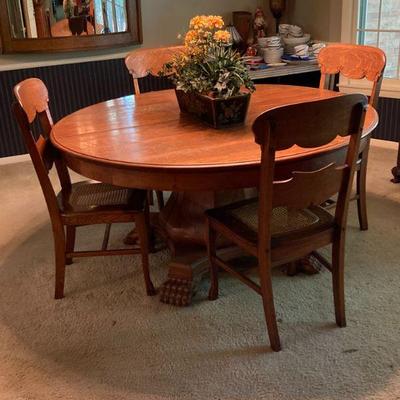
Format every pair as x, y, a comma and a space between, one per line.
396, 174
177, 292
156, 242
308, 265
131, 238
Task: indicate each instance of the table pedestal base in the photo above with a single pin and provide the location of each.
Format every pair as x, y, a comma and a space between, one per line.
182, 224
187, 270
183, 227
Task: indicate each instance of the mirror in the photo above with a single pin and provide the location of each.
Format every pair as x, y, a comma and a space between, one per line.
57, 25
64, 18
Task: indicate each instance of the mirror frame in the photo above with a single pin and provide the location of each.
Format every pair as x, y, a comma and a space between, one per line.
133, 36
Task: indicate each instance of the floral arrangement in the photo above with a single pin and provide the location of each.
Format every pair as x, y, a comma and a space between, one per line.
69, 8
208, 65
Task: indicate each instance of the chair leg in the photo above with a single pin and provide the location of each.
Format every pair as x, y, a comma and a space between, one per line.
211, 250
150, 197
160, 199
338, 280
362, 192
142, 230
268, 303
70, 245
59, 247
106, 237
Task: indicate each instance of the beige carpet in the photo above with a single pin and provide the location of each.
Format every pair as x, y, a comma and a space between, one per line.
107, 340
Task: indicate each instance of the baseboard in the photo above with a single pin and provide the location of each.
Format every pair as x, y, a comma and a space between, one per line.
14, 159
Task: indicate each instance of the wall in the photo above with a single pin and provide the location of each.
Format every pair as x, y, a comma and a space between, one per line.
162, 26
321, 18
162, 20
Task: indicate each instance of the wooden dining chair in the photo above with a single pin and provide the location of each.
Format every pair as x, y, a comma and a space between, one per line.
356, 62
143, 62
286, 221
77, 204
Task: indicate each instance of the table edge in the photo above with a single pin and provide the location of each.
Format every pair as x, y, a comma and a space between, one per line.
198, 167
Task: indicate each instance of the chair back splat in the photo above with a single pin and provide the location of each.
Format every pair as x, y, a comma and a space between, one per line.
143, 62
31, 106
354, 62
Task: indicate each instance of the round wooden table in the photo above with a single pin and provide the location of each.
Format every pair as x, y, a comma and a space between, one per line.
145, 142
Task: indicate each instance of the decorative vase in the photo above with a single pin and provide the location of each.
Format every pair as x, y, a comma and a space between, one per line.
277, 8
215, 111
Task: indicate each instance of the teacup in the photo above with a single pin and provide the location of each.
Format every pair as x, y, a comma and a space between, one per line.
302, 50
272, 55
317, 47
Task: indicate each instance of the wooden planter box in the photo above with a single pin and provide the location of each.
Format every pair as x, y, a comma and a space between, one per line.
216, 112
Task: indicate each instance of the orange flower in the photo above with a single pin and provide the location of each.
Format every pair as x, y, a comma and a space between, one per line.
222, 36
216, 21
204, 30
191, 38
206, 22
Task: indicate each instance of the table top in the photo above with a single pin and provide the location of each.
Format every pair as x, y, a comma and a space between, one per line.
147, 132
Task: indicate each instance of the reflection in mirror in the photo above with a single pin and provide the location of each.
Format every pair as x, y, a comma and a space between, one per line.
63, 18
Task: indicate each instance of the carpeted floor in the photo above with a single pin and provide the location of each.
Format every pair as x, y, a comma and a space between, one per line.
107, 340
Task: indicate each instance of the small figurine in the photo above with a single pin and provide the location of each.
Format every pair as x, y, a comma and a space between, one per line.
251, 51
260, 24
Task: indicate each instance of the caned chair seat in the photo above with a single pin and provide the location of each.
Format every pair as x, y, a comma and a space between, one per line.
92, 196
287, 224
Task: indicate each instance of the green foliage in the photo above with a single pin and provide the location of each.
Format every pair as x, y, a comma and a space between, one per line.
69, 8
217, 70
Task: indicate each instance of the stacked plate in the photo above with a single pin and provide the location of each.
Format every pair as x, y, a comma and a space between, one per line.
292, 36
292, 42
295, 31
291, 31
